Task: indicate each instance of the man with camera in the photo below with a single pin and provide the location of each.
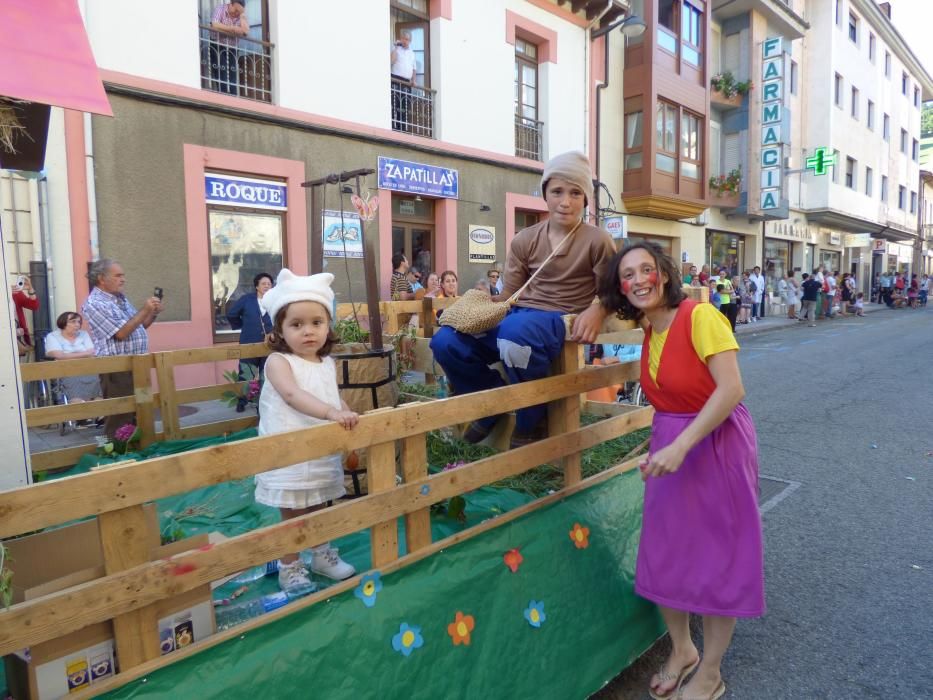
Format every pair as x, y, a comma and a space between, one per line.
403, 65
117, 328
24, 297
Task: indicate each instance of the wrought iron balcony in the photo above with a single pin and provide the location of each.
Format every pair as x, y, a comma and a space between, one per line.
412, 109
236, 65
528, 133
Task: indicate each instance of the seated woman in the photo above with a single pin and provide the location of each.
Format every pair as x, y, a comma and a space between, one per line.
532, 333
69, 342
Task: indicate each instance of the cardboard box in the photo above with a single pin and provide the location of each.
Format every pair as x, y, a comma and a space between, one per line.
57, 559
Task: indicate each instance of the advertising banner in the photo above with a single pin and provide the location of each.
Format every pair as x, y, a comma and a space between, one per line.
482, 244
342, 238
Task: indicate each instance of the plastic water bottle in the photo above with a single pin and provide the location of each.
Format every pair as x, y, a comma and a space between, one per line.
228, 616
442, 387
254, 573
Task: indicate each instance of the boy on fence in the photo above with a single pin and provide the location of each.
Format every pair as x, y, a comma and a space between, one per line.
532, 334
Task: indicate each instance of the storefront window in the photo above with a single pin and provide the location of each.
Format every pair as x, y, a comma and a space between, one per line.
777, 261
724, 250
242, 244
830, 260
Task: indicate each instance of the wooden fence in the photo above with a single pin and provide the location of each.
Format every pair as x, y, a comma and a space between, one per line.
169, 398
130, 592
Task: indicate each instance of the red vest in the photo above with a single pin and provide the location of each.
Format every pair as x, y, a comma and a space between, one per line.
684, 382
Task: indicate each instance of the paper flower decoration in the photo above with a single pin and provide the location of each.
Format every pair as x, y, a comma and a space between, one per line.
534, 613
408, 639
513, 559
459, 630
580, 536
369, 586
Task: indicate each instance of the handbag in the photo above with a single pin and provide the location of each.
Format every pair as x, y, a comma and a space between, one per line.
475, 312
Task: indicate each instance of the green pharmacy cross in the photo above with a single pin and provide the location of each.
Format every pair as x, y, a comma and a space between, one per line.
821, 160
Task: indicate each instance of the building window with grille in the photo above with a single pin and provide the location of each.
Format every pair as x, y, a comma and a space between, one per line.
690, 146
528, 128
871, 47
884, 189
905, 83
410, 68
915, 150
869, 179
917, 97
853, 107
901, 197
903, 142
837, 91
634, 127
871, 115
887, 64
853, 28
665, 157
850, 173
236, 56
886, 128
913, 202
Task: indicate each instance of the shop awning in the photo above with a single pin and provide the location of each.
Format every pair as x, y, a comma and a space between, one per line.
47, 57
47, 61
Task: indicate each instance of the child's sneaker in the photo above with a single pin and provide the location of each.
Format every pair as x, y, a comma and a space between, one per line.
327, 562
294, 580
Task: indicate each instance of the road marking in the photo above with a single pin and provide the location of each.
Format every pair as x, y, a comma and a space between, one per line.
774, 500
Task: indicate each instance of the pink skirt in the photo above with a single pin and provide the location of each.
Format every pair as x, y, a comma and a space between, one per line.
701, 544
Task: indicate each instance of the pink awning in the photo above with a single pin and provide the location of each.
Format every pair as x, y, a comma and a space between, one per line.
46, 56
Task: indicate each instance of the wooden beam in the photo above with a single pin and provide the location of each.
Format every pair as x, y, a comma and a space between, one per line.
415, 466
126, 676
142, 394
53, 459
126, 538
218, 428
79, 411
33, 371
601, 408
564, 414
45, 504
381, 478
594, 7
56, 614
168, 401
577, 5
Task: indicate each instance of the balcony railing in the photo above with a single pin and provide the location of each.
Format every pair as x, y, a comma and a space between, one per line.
412, 109
528, 137
236, 65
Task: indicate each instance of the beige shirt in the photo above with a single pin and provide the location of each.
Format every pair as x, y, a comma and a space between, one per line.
570, 280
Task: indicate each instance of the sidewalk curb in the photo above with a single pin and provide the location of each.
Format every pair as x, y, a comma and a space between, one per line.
754, 330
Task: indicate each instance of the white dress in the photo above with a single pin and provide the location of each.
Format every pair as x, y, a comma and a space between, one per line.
308, 483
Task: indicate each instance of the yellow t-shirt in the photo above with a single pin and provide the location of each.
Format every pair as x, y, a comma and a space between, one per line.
710, 332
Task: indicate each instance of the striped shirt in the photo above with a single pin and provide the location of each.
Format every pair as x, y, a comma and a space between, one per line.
106, 314
399, 285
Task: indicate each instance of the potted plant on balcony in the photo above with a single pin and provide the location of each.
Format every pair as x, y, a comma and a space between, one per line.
726, 187
729, 90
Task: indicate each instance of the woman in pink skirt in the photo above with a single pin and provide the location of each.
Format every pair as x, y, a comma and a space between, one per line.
701, 546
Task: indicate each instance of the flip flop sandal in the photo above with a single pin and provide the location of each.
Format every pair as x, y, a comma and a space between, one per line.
666, 676
716, 694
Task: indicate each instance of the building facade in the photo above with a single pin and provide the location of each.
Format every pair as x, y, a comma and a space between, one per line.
195, 184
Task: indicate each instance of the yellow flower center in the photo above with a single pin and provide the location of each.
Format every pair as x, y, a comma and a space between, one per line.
369, 588
408, 638
578, 534
461, 629
535, 617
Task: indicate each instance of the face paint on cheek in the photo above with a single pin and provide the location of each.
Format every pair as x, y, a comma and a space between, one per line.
626, 286
653, 277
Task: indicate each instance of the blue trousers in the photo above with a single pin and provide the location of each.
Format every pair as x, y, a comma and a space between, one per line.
527, 341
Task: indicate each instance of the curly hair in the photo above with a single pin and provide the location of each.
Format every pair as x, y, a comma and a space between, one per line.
611, 295
276, 343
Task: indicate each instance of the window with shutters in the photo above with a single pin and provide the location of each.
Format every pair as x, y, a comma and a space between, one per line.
731, 152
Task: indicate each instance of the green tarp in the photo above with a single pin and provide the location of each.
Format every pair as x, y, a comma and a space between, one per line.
592, 625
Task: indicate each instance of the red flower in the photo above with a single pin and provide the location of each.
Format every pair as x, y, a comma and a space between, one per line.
580, 536
513, 559
459, 630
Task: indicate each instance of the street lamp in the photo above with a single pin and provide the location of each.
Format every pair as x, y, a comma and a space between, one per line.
632, 26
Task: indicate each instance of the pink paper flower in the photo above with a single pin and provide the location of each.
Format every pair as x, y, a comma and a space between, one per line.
125, 432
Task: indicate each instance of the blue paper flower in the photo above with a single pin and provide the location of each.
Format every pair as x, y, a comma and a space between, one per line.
408, 638
534, 613
425, 490
369, 586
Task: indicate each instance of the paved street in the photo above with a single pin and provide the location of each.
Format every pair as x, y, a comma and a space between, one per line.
843, 413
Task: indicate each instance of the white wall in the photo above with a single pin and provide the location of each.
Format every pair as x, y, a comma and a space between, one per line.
332, 59
830, 51
155, 40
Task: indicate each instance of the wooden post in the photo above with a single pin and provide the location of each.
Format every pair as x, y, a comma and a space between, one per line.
142, 391
391, 317
381, 477
415, 466
165, 372
427, 317
564, 414
126, 538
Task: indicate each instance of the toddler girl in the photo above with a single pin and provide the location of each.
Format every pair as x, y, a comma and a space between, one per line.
300, 391
860, 304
